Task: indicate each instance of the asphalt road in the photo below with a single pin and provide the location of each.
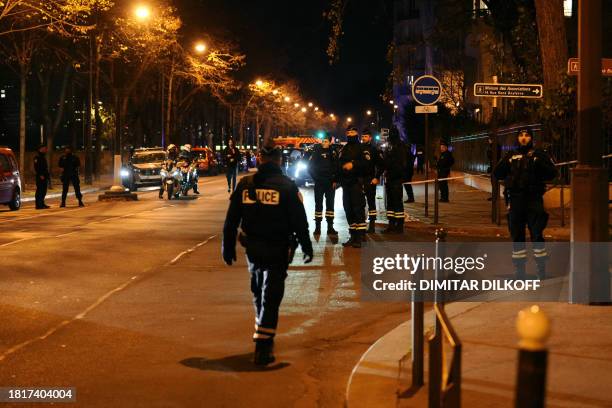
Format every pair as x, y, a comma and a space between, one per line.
131, 304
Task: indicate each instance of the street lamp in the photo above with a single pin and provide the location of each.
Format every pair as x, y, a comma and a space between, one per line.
316, 109
142, 12
310, 104
275, 92
297, 105
200, 47
259, 83
287, 99
304, 109
349, 119
369, 112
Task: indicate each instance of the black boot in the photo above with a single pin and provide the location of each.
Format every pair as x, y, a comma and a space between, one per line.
519, 270
317, 230
399, 226
358, 238
195, 189
371, 227
541, 270
264, 353
81, 203
63, 204
330, 229
350, 241
391, 228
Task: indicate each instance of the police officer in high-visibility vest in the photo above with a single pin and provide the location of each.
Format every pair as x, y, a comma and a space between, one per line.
525, 171
352, 165
268, 207
373, 171
395, 157
322, 167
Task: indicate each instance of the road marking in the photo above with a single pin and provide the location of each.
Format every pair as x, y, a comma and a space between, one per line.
190, 250
17, 241
41, 215
95, 304
68, 233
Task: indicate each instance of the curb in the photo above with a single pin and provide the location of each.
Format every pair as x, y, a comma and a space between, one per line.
71, 194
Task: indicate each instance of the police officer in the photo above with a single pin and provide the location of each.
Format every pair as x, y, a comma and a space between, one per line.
41, 170
322, 168
525, 171
269, 209
395, 172
443, 165
232, 158
420, 160
168, 164
373, 171
409, 174
70, 165
352, 165
188, 157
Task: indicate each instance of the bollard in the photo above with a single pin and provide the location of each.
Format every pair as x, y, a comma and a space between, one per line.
562, 203
533, 327
418, 348
440, 253
436, 200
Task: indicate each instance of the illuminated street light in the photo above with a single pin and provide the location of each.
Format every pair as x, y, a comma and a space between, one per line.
142, 12
297, 105
310, 104
316, 108
200, 47
287, 99
275, 92
392, 102
259, 83
369, 112
304, 109
331, 115
395, 106
349, 119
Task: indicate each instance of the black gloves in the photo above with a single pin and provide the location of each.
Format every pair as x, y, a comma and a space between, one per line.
229, 253
308, 254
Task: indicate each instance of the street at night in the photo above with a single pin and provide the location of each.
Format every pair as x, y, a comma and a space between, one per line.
326, 203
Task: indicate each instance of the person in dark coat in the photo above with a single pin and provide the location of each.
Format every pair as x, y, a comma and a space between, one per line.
420, 160
443, 165
395, 173
232, 157
373, 172
409, 174
322, 166
70, 165
268, 208
525, 170
41, 170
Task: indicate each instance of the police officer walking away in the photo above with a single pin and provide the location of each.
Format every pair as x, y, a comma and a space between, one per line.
322, 168
351, 170
231, 154
395, 171
373, 171
70, 165
268, 207
525, 171
41, 170
444, 164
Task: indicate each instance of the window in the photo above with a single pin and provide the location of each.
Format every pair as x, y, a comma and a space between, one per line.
4, 164
567, 7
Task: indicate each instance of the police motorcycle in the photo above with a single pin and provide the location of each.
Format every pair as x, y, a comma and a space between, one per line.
171, 179
188, 170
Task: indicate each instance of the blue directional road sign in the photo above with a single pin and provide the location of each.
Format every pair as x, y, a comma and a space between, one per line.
426, 90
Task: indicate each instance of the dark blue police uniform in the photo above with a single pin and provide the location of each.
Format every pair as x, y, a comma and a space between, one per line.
268, 207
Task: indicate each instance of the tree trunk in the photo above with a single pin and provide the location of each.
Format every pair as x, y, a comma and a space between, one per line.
97, 118
553, 40
169, 104
22, 124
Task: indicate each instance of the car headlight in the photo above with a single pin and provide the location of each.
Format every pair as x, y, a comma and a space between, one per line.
124, 173
300, 167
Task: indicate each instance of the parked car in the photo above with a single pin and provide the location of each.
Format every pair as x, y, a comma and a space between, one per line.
143, 168
10, 183
206, 161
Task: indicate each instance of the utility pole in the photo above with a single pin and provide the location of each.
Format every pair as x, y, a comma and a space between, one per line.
590, 279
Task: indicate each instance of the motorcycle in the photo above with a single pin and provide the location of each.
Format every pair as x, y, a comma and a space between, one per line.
188, 176
170, 176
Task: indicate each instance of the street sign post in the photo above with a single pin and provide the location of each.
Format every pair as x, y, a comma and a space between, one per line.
573, 66
426, 109
508, 90
426, 90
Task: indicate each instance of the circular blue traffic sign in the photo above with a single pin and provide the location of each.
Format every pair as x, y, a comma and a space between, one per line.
426, 90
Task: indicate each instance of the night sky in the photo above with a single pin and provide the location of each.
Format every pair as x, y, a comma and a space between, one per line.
288, 39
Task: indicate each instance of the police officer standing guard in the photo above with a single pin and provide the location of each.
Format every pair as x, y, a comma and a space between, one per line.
322, 168
70, 165
41, 170
351, 171
395, 172
525, 171
269, 209
444, 164
373, 171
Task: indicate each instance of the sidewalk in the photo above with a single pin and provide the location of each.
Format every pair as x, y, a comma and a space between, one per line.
468, 213
579, 362
56, 192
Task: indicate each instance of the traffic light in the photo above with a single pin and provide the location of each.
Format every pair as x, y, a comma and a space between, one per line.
377, 137
320, 134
